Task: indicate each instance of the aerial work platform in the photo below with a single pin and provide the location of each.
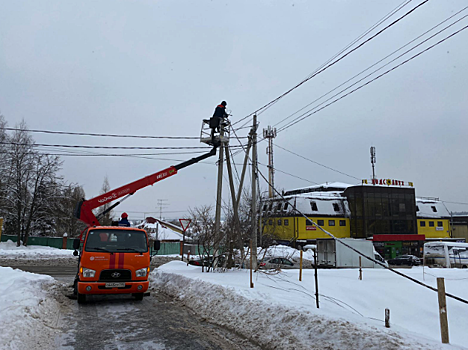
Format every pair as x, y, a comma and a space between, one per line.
205, 134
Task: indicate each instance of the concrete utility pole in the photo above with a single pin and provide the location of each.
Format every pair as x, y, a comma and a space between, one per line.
220, 182
254, 194
270, 134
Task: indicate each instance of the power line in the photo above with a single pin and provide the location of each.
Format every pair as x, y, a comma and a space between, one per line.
284, 172
313, 161
372, 80
334, 62
370, 74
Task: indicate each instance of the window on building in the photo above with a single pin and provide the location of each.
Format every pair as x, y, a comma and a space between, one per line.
270, 222
434, 209
320, 222
313, 206
271, 206
331, 222
309, 222
278, 207
422, 223
342, 222
279, 222
285, 206
417, 208
431, 223
402, 207
336, 207
265, 207
440, 224
286, 222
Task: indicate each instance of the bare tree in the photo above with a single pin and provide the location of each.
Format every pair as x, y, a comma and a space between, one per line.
106, 219
65, 219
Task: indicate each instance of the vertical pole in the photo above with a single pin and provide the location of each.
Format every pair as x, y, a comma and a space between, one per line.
220, 187
253, 252
251, 269
300, 268
316, 279
387, 318
444, 333
360, 269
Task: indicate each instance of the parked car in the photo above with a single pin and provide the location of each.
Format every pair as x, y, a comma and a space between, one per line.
275, 263
208, 261
409, 260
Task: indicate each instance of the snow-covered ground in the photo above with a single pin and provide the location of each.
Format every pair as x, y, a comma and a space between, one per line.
28, 313
10, 250
280, 312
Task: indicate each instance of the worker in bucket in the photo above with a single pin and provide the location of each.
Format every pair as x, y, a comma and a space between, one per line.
218, 117
124, 220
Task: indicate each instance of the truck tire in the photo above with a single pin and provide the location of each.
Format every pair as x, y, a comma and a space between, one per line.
81, 298
138, 296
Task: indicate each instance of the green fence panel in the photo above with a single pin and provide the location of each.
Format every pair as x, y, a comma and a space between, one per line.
167, 248
9, 238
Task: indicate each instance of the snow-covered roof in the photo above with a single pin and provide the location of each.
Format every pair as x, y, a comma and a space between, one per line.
161, 232
431, 208
326, 187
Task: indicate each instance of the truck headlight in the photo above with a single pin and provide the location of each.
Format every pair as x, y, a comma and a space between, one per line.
141, 272
88, 273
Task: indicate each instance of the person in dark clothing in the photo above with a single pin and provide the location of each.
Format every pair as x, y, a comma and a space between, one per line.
218, 117
124, 220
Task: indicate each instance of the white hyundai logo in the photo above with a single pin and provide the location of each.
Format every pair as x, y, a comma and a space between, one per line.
115, 274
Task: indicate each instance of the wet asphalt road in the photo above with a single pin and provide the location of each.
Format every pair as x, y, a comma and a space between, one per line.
120, 322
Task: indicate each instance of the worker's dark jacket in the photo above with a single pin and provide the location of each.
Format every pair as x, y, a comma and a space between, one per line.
124, 222
219, 113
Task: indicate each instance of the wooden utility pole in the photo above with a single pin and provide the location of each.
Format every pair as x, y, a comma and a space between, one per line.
253, 251
444, 332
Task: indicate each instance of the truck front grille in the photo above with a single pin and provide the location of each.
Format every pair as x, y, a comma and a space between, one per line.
115, 275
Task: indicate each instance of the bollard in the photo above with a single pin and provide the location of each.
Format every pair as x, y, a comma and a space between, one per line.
387, 318
360, 269
300, 269
64, 241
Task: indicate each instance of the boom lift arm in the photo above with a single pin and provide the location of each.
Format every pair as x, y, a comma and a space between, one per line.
84, 208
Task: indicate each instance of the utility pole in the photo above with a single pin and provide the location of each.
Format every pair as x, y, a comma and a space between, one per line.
373, 161
220, 183
270, 134
161, 203
253, 237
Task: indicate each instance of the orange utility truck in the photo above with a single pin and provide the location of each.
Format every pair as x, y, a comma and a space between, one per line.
114, 259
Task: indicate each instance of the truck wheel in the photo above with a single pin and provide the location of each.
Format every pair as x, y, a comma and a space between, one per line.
138, 296
81, 298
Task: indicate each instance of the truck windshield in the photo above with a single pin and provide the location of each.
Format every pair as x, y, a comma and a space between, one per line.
116, 241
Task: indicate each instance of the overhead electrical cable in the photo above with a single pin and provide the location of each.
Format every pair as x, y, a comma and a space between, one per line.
374, 79
373, 72
379, 61
313, 161
334, 62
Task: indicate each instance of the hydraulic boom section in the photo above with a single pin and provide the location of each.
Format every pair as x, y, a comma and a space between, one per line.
84, 208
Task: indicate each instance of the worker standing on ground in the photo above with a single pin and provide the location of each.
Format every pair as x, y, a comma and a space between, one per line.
218, 117
124, 220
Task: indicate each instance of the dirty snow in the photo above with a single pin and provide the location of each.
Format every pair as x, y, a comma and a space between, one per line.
28, 314
280, 312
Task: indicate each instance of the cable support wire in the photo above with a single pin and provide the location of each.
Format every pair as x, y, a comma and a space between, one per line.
372, 80
313, 161
370, 74
284, 172
100, 147
357, 251
334, 62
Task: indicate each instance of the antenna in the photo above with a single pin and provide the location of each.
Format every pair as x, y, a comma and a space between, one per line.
270, 134
373, 161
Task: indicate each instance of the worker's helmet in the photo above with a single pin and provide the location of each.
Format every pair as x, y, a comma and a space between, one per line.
124, 215
224, 103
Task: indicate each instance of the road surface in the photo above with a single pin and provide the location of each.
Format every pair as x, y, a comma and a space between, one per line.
120, 322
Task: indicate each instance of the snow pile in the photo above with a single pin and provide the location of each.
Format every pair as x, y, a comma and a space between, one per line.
10, 250
280, 312
27, 314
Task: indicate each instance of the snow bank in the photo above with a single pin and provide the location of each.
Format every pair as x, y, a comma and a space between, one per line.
10, 250
27, 314
280, 312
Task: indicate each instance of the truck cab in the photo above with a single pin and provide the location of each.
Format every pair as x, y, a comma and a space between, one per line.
113, 260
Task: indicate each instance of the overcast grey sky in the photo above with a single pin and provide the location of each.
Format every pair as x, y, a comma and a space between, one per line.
160, 67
